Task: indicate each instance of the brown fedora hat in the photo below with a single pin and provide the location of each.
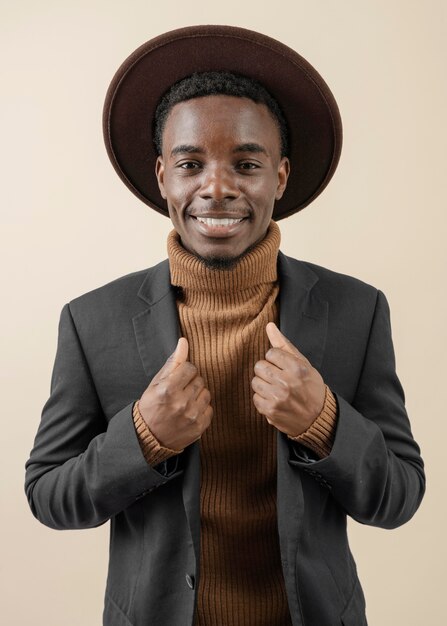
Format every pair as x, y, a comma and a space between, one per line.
313, 119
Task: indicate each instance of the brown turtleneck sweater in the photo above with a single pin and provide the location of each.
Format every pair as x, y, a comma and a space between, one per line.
223, 314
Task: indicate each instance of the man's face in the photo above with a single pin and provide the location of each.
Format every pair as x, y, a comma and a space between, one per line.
221, 172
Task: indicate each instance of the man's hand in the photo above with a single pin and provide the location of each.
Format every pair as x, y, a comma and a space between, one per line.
176, 404
289, 392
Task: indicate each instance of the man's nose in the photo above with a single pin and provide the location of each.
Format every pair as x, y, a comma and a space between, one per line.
219, 183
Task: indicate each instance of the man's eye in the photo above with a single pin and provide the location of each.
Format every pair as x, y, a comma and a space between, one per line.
189, 165
247, 165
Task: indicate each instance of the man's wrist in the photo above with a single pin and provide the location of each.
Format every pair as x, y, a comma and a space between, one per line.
320, 435
152, 449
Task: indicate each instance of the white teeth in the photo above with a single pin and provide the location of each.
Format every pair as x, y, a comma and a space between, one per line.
213, 221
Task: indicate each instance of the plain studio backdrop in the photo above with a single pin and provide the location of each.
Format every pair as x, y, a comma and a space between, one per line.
69, 225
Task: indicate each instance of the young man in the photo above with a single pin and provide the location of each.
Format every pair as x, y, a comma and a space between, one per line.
227, 408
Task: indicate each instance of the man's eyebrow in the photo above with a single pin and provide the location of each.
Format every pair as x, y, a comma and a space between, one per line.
243, 147
250, 147
186, 148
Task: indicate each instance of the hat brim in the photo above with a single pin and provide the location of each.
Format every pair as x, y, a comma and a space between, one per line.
310, 109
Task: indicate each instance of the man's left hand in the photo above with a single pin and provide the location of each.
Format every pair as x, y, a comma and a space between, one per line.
289, 392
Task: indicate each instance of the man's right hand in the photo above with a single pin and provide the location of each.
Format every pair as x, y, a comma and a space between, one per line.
176, 404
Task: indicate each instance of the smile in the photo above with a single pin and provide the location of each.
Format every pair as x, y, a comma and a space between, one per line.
214, 221
219, 227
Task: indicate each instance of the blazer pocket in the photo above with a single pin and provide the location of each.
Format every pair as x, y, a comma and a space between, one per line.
113, 615
354, 612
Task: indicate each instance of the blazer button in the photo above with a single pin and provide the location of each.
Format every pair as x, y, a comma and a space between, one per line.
190, 581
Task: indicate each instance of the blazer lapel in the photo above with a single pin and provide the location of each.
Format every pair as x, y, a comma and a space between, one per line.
157, 331
303, 315
303, 320
157, 328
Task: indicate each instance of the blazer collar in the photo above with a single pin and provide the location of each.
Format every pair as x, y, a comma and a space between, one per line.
156, 283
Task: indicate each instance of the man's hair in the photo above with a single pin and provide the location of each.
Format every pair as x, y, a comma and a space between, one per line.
202, 84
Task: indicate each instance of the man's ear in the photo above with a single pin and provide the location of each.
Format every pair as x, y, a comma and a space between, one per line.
283, 175
159, 173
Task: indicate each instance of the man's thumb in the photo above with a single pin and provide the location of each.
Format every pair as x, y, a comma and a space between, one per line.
180, 354
278, 340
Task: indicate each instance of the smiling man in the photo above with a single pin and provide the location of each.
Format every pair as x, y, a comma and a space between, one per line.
229, 407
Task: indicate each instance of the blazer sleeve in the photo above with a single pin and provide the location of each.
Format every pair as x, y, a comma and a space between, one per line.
83, 470
374, 471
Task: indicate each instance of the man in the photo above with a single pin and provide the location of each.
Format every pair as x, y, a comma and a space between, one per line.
227, 408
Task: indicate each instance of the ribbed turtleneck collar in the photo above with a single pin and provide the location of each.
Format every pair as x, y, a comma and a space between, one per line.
256, 267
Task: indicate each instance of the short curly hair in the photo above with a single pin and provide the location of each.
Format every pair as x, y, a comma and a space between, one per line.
202, 84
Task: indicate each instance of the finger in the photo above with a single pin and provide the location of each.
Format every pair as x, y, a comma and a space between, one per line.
267, 371
285, 361
203, 400
200, 408
181, 377
278, 340
261, 405
180, 355
207, 416
195, 387
261, 388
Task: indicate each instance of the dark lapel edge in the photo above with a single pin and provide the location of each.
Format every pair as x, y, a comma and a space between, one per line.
157, 330
303, 318
303, 314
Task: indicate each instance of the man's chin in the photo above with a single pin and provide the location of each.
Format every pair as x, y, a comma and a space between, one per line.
220, 263
223, 262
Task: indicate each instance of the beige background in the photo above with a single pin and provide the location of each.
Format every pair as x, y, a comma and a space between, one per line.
70, 225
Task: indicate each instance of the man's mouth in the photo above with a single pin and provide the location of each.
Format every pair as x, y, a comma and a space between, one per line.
218, 226
219, 221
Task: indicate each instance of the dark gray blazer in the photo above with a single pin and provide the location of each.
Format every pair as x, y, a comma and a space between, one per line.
86, 466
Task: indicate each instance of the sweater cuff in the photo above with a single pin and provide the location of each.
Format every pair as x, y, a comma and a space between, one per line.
153, 451
320, 435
